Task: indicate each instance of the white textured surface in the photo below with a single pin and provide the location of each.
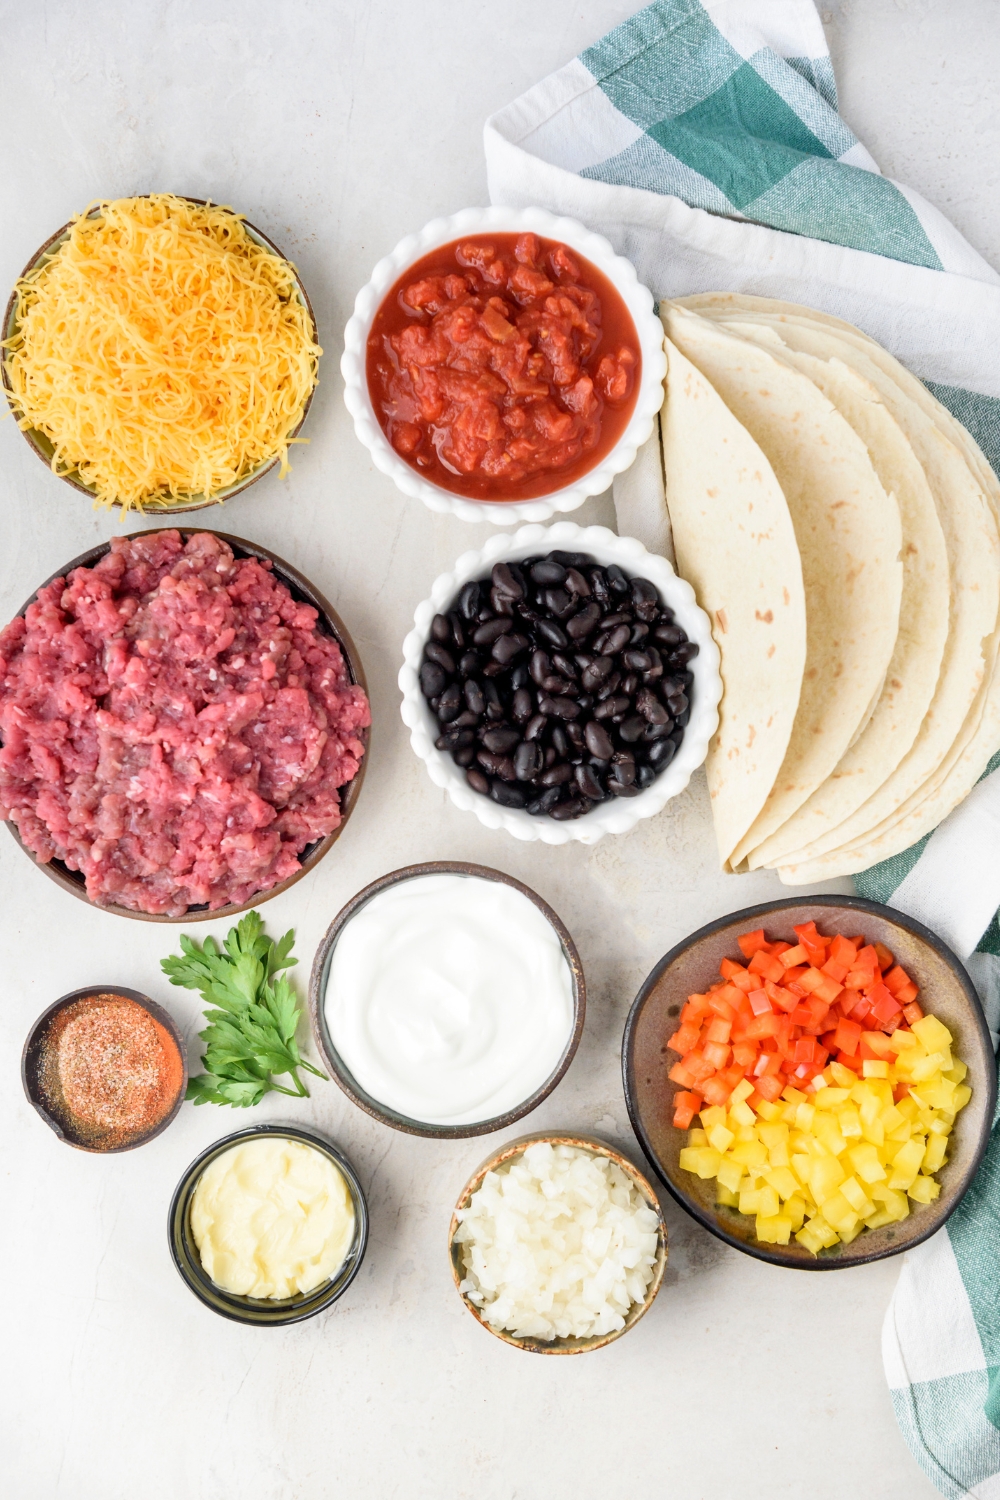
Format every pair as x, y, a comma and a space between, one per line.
339, 127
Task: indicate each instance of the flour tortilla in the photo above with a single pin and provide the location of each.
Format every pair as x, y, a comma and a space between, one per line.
908, 687
965, 712
848, 534
735, 544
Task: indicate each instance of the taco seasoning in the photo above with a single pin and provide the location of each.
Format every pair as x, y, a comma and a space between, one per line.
109, 1070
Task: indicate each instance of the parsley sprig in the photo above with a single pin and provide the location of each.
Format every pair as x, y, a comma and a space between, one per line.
251, 1035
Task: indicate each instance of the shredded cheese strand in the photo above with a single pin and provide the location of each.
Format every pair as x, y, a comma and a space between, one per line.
163, 353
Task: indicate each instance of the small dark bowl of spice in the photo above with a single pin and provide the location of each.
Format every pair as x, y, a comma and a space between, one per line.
105, 1067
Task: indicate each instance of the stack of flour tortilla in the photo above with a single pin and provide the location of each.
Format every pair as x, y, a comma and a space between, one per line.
840, 528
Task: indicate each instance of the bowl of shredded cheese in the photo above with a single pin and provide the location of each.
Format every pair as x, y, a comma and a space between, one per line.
159, 353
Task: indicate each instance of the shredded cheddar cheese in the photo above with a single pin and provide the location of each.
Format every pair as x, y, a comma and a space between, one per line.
162, 352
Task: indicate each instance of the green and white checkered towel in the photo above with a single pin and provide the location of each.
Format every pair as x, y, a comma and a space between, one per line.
704, 141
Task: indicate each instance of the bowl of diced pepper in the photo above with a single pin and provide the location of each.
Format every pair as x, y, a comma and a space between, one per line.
812, 1079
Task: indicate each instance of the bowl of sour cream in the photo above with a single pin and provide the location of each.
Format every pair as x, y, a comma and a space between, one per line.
447, 999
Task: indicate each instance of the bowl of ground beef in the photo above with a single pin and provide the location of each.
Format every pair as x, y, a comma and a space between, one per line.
183, 722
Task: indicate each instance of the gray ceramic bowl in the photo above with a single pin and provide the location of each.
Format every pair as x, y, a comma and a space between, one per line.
330, 623
42, 446
946, 992
339, 1069
508, 1153
262, 1312
32, 1070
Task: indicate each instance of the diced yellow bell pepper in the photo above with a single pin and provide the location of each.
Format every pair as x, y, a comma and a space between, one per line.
904, 1041
847, 1235
839, 1214
962, 1096
829, 1098
864, 1159
958, 1073
802, 1166
804, 1116
932, 1033
849, 1122
697, 1137
749, 1200
743, 1090
895, 1202
783, 1180
720, 1138
925, 1067
730, 1174
856, 1197
767, 1109
842, 1077
795, 1209
725, 1197
872, 1067
774, 1230
891, 1118
906, 1164
923, 1189
741, 1112
703, 1160
715, 1114
825, 1128
773, 1132
749, 1153
825, 1176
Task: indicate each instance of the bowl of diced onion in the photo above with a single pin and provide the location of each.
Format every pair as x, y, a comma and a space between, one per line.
558, 1244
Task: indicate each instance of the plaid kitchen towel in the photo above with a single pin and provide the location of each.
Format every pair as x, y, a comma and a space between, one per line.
703, 140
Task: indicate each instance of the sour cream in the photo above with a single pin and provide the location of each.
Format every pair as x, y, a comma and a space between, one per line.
271, 1218
449, 998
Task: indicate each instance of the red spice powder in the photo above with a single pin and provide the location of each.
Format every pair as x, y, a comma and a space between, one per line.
110, 1070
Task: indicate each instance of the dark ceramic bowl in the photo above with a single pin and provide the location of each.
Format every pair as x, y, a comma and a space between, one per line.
584, 1143
338, 1068
946, 992
42, 446
262, 1312
32, 1059
331, 624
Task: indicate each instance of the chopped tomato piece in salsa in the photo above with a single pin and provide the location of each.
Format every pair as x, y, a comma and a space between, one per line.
503, 367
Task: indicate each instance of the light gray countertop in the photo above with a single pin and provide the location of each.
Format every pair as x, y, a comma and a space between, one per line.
337, 127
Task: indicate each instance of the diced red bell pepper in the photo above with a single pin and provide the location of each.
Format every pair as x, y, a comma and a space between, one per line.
885, 958
769, 967
717, 1053
698, 1065
762, 1026
805, 1051
907, 994
745, 1053
759, 1003
794, 956
843, 951
857, 979
862, 1010
867, 958
912, 1012
684, 1038
836, 971
752, 942
729, 969
896, 978
679, 1074
780, 947
686, 1106
811, 980
716, 1090
770, 1086
866, 1051
695, 1007
900, 1092
850, 1062
718, 1005
718, 1030
847, 1037
828, 990
884, 1004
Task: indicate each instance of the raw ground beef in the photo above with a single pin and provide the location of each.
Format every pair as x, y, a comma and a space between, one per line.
174, 725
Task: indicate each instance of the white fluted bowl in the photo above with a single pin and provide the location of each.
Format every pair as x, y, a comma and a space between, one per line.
596, 249
616, 816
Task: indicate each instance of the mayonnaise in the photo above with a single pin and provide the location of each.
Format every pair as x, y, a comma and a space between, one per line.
272, 1217
449, 998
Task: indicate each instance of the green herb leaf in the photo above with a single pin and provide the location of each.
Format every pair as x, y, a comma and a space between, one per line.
250, 1036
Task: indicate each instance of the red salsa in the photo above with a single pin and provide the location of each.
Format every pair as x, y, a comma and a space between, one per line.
503, 366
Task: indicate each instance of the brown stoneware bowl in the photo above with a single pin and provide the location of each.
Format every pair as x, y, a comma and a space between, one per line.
329, 622
40, 443
946, 992
600, 1148
32, 1069
338, 1068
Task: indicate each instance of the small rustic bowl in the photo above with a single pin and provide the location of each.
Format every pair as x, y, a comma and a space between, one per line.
300, 588
41, 444
599, 1148
338, 1068
946, 992
617, 815
262, 1312
499, 220
32, 1056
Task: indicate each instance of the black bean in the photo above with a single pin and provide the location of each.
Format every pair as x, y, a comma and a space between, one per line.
491, 630
617, 704
509, 646
599, 668
622, 768
477, 781
555, 684
504, 580
661, 753
610, 687
457, 630
639, 633
450, 703
557, 774
617, 582
610, 642
598, 741
468, 664
547, 573
432, 679
577, 584
644, 777
655, 668
494, 708
630, 684
585, 700
507, 796
474, 700
685, 653
589, 784
560, 741
535, 727
440, 629
539, 666
468, 600
574, 733
433, 651
637, 661
527, 760
502, 603
677, 703
562, 708
599, 584
497, 765
623, 789
570, 559
564, 664
645, 599
559, 603
552, 635
549, 758
658, 731
546, 801
493, 669
631, 729
500, 741
519, 677
584, 621
670, 635
682, 719
563, 811
464, 755
466, 719
523, 706
650, 706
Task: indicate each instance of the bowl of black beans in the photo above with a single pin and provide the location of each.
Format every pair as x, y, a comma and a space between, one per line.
561, 683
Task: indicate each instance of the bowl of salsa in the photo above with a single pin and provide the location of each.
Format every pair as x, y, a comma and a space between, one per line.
503, 365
